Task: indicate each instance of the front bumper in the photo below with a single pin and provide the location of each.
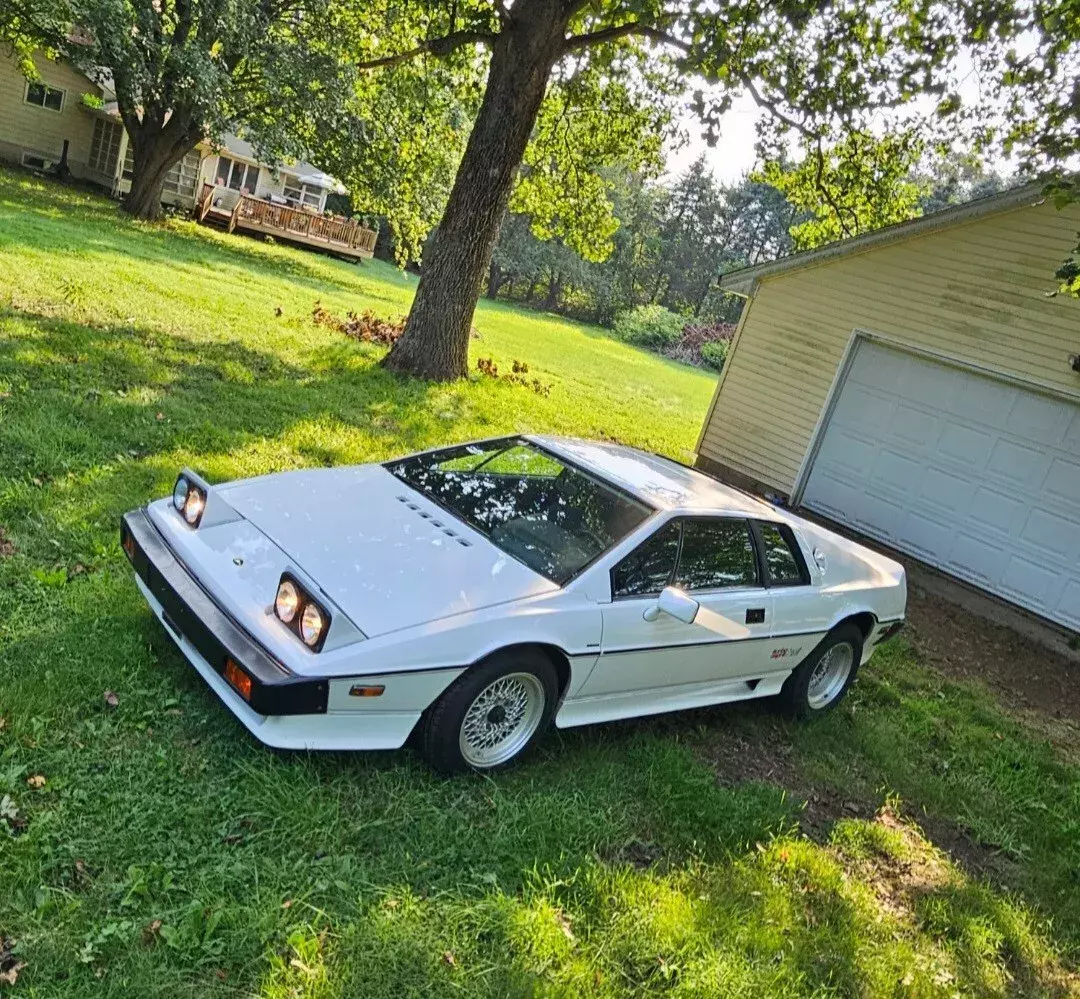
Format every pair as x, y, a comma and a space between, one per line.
201, 627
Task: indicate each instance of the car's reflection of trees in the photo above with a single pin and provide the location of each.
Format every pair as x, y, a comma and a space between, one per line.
591, 515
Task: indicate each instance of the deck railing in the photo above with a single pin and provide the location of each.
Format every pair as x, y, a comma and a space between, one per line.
260, 214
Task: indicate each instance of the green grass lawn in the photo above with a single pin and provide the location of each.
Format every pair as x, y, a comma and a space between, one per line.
149, 847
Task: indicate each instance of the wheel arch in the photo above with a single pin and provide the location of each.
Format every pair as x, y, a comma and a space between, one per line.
557, 656
864, 620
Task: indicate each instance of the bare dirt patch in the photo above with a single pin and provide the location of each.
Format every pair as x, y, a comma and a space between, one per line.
898, 879
7, 546
1026, 678
767, 756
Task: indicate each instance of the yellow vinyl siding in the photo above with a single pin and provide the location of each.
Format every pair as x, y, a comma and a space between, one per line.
28, 128
975, 292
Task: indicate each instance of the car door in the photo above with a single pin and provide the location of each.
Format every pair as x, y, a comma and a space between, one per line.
800, 616
714, 560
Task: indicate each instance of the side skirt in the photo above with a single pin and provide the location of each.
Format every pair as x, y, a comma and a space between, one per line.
658, 700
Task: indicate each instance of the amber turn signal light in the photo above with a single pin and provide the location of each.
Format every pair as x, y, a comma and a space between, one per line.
358, 690
238, 679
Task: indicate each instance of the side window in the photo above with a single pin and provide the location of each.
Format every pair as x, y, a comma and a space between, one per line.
647, 569
782, 562
716, 554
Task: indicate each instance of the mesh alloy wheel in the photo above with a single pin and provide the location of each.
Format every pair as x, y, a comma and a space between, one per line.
491, 714
502, 720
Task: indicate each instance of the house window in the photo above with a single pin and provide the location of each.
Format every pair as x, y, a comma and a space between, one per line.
239, 176
105, 146
43, 96
307, 195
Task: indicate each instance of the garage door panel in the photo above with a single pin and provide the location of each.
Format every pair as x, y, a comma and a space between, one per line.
1070, 444
976, 558
965, 445
919, 383
877, 407
1037, 418
1030, 581
947, 491
897, 472
997, 510
980, 400
878, 512
1023, 463
1055, 535
974, 475
885, 379
855, 455
927, 536
1068, 607
1063, 479
915, 427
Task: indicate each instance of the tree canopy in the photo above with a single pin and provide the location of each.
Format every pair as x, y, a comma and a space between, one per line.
827, 74
188, 70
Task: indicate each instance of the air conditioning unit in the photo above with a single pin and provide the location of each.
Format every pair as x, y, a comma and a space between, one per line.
37, 161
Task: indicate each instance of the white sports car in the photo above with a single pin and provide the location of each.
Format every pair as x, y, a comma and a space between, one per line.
476, 593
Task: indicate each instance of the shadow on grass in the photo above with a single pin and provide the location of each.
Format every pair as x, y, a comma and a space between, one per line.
86, 401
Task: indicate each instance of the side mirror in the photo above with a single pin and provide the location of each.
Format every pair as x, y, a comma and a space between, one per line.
675, 603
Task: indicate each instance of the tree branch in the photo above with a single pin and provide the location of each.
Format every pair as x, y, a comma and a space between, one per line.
621, 31
503, 11
436, 47
771, 107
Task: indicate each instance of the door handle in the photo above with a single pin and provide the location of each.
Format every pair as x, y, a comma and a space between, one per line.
755, 615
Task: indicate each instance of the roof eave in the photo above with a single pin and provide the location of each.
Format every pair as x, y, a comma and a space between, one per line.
744, 281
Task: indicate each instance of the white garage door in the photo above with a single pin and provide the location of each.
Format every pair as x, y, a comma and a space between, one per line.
968, 473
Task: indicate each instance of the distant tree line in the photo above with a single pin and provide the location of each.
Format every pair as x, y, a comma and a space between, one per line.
675, 239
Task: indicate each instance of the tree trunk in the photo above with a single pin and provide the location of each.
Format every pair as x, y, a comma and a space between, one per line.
155, 151
495, 280
435, 343
554, 293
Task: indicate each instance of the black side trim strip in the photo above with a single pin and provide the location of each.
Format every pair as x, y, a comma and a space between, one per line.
718, 641
214, 634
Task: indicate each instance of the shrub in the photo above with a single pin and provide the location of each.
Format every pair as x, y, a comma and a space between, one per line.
714, 353
696, 337
650, 326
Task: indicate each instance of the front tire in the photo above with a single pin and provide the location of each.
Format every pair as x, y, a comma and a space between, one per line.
492, 714
822, 679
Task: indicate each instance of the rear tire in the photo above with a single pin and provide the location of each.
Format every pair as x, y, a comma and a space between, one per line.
822, 679
492, 714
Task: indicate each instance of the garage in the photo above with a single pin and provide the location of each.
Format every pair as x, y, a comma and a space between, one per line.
920, 384
966, 472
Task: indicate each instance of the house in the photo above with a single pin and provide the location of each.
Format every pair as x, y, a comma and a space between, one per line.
225, 181
36, 119
920, 385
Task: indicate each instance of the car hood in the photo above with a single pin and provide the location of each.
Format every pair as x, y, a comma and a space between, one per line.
385, 555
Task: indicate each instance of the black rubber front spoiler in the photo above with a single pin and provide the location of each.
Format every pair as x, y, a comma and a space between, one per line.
193, 615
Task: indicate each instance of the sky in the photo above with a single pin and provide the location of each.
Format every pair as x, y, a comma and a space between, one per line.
732, 156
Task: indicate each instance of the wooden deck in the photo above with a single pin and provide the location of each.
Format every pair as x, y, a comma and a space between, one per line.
327, 232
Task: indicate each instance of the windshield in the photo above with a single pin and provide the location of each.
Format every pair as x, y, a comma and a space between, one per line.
528, 502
